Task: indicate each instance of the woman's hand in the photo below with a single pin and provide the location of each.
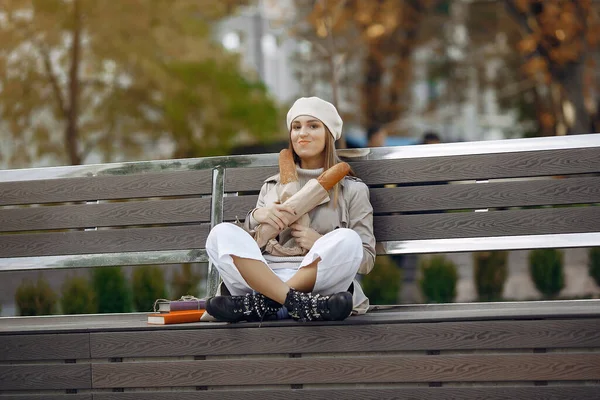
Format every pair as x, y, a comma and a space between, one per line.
305, 236
277, 215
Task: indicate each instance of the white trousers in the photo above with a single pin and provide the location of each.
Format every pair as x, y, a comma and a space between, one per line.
340, 252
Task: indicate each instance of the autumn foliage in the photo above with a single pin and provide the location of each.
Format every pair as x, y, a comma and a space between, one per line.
559, 39
84, 80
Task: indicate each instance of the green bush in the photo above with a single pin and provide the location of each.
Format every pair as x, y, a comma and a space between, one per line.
35, 298
112, 291
185, 282
78, 296
438, 279
594, 264
382, 285
148, 284
546, 270
491, 271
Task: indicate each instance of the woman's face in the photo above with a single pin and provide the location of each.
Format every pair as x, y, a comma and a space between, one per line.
308, 141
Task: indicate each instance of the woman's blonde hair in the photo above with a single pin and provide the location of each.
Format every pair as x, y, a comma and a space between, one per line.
331, 158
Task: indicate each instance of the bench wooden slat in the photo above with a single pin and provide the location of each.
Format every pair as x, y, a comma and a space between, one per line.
106, 187
237, 206
45, 376
459, 196
398, 314
247, 179
44, 347
110, 214
46, 396
449, 168
487, 224
343, 338
104, 241
578, 392
486, 195
480, 166
392, 369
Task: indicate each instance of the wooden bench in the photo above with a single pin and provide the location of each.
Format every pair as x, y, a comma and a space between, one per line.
511, 194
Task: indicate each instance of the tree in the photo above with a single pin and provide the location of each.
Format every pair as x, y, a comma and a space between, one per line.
148, 284
367, 47
501, 55
185, 282
559, 41
439, 276
112, 290
391, 33
77, 296
547, 272
116, 78
382, 284
35, 298
490, 271
214, 107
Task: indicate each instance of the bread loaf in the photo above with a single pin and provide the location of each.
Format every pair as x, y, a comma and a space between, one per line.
287, 167
333, 175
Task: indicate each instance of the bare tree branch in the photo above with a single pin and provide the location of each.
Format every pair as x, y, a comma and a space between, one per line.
71, 131
53, 81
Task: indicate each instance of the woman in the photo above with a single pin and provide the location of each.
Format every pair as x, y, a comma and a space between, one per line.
339, 239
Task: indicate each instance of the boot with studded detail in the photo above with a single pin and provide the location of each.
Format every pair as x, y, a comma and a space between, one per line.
250, 307
314, 307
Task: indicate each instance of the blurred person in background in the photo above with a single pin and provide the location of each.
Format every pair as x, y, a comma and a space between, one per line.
431, 137
376, 136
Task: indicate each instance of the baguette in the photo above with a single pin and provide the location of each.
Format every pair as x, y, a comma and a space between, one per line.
333, 175
287, 167
307, 198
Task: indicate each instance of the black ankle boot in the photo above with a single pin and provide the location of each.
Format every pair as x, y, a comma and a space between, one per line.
251, 308
314, 307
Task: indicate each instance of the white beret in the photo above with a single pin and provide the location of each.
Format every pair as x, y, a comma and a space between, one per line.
320, 109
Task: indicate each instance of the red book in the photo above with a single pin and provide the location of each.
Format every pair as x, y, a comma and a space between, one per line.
175, 317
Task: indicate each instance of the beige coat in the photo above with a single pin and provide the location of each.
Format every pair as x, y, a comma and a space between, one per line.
354, 211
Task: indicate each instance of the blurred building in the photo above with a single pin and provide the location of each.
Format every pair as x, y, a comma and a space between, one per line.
259, 34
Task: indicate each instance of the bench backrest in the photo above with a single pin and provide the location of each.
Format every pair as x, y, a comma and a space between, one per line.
111, 214
508, 194
469, 196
